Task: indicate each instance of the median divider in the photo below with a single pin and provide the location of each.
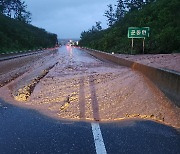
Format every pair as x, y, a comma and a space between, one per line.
166, 80
16, 54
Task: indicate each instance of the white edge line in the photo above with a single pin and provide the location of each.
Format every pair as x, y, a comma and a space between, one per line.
98, 139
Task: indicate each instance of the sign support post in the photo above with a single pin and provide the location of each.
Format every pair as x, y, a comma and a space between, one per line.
132, 45
138, 32
143, 44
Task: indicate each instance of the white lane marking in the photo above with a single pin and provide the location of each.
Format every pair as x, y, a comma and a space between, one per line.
98, 139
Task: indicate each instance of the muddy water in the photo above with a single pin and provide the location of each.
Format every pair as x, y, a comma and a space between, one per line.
83, 87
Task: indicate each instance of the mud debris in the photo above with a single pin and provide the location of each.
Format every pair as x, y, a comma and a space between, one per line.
81, 87
12, 69
65, 106
152, 116
24, 93
13, 77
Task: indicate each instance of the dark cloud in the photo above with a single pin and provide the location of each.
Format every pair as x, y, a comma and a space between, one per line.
67, 18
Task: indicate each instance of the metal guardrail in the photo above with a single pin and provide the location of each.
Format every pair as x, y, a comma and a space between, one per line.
18, 54
9, 56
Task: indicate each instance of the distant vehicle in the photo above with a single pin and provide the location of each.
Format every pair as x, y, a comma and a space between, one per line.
72, 43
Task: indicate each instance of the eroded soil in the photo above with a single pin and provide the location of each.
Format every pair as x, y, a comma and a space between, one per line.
81, 87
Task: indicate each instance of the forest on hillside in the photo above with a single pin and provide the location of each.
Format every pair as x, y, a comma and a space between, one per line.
16, 32
162, 16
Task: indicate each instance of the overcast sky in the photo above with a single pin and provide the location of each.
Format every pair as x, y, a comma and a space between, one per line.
67, 18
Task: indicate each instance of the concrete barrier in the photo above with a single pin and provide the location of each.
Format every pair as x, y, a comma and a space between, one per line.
167, 81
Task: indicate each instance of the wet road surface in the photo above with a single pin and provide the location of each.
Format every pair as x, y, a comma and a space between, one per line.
26, 131
85, 92
81, 87
13, 68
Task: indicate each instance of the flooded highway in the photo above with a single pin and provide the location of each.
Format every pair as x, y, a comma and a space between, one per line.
80, 87
67, 101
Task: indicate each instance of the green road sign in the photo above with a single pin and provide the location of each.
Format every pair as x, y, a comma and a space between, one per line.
137, 32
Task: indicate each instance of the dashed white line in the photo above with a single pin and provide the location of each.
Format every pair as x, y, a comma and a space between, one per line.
98, 139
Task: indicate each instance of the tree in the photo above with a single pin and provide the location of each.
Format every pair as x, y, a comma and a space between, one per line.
162, 16
6, 7
110, 15
2, 6
98, 26
149, 1
120, 10
15, 9
20, 12
134, 4
16, 36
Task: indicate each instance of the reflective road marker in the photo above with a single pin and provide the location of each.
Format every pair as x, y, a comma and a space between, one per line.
98, 139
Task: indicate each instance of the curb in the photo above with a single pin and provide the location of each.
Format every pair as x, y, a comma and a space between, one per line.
167, 81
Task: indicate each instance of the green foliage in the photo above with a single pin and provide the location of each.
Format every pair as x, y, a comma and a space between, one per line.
120, 9
98, 25
15, 9
110, 14
163, 18
17, 35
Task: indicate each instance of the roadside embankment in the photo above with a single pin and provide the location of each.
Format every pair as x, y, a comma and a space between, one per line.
167, 81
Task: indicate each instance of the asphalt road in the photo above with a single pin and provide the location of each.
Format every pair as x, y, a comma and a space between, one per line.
24, 131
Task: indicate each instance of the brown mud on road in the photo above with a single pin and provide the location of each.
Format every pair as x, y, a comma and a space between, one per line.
80, 87
13, 68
